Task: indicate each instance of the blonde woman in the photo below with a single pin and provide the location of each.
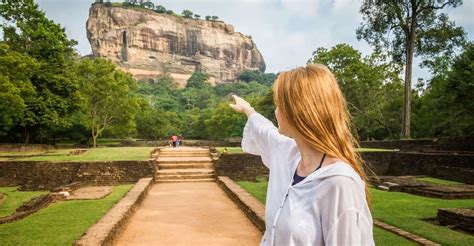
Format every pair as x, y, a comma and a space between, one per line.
317, 191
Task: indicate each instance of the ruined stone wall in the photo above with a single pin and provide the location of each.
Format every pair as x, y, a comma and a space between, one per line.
240, 166
49, 175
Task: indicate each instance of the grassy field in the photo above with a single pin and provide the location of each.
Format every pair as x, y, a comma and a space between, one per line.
438, 181
239, 150
402, 210
92, 154
61, 223
15, 198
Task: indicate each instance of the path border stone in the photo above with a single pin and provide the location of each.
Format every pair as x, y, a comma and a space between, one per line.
251, 206
255, 210
403, 233
104, 232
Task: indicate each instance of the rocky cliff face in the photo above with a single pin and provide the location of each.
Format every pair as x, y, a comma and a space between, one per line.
146, 43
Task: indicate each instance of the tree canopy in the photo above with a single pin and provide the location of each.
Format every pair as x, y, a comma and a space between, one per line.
411, 27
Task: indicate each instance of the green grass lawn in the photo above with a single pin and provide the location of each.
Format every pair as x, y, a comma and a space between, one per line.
438, 181
239, 150
402, 210
407, 211
92, 154
15, 198
60, 223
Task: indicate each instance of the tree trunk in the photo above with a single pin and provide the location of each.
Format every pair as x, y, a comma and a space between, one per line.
94, 141
410, 43
27, 135
93, 134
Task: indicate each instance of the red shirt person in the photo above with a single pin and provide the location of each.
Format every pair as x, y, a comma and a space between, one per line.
173, 139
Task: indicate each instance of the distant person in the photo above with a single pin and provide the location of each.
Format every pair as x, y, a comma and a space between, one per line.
178, 141
174, 138
317, 189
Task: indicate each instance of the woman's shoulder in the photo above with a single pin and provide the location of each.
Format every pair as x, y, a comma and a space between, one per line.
341, 179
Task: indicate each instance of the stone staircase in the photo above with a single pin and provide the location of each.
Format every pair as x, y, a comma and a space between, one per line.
184, 164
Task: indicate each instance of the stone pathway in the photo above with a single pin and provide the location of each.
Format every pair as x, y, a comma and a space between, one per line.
189, 213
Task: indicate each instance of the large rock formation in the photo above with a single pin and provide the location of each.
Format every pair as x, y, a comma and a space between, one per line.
146, 43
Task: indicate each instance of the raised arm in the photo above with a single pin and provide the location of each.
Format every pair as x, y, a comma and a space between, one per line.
260, 136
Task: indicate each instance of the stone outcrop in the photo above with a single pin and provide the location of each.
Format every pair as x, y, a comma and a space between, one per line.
146, 43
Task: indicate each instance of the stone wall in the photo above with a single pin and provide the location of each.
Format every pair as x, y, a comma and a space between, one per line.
463, 218
451, 166
437, 144
456, 167
26, 147
49, 175
240, 166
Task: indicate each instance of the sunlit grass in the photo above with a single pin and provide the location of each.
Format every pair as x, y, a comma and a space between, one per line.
438, 181
61, 223
15, 198
232, 150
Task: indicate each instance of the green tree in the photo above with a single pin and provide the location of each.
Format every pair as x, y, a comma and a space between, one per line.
224, 122
445, 108
196, 16
154, 123
148, 5
214, 18
208, 17
371, 87
260, 77
407, 28
26, 30
187, 13
107, 97
197, 98
160, 9
198, 80
16, 89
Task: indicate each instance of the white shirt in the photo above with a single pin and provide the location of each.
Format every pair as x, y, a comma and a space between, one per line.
328, 207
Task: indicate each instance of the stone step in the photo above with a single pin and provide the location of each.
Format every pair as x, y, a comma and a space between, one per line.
185, 165
185, 180
383, 187
187, 154
183, 159
186, 171
184, 150
184, 176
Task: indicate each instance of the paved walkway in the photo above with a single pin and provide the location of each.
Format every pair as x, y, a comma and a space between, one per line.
189, 214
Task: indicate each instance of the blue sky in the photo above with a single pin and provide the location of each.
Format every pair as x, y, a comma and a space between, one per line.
286, 31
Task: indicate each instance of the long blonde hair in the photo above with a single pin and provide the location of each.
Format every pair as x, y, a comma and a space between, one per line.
311, 100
